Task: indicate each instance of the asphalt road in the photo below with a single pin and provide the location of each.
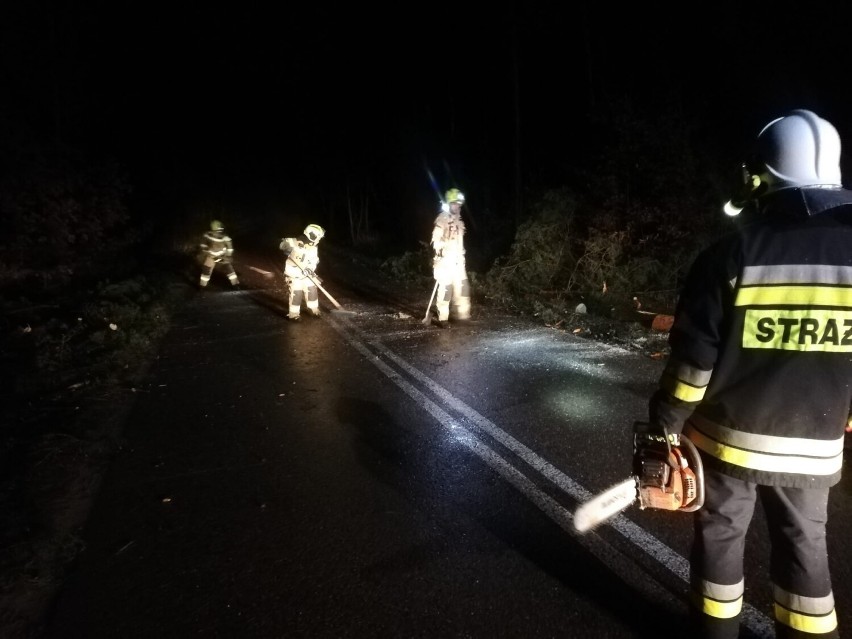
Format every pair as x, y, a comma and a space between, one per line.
364, 475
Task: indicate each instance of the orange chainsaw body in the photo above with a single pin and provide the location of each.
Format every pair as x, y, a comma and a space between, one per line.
669, 477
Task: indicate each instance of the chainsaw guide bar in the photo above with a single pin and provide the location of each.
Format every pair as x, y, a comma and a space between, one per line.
607, 504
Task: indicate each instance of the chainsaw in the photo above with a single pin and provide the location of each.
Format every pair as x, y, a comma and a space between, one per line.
667, 475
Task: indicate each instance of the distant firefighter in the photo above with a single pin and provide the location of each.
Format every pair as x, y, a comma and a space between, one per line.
448, 265
218, 249
301, 258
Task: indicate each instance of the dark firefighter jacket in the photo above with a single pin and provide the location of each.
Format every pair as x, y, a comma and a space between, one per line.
218, 245
760, 372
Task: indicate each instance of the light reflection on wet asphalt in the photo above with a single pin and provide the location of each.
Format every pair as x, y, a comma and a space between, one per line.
541, 358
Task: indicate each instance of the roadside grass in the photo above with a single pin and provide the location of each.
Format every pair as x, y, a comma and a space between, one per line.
70, 358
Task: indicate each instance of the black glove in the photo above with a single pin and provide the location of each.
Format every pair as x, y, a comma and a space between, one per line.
309, 272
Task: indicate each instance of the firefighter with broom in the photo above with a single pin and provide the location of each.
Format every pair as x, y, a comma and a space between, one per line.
300, 262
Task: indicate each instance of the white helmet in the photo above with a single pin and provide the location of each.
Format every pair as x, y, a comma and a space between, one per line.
799, 149
314, 232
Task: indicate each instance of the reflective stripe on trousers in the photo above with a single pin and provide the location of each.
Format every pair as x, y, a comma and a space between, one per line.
796, 519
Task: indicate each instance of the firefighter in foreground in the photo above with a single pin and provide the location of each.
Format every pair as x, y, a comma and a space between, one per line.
301, 258
758, 379
448, 265
218, 249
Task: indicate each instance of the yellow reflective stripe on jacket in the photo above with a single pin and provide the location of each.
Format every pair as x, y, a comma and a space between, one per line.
684, 392
686, 383
798, 330
767, 453
806, 623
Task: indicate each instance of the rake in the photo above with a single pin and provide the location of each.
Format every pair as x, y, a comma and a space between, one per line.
427, 318
338, 308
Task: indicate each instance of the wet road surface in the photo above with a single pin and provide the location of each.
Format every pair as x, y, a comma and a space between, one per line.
363, 475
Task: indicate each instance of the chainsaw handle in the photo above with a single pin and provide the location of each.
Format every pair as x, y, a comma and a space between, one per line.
698, 469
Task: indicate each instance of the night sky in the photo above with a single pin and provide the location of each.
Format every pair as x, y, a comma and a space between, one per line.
249, 102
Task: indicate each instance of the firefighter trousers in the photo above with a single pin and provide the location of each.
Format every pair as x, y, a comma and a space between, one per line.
210, 263
798, 566
453, 288
301, 289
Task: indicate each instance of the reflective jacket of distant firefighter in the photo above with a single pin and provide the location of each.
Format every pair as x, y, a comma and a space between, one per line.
761, 358
217, 245
448, 242
303, 253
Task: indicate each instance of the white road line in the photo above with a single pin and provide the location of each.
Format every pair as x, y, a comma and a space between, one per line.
754, 620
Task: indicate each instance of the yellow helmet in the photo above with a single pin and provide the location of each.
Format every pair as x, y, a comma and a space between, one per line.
314, 232
216, 225
454, 195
